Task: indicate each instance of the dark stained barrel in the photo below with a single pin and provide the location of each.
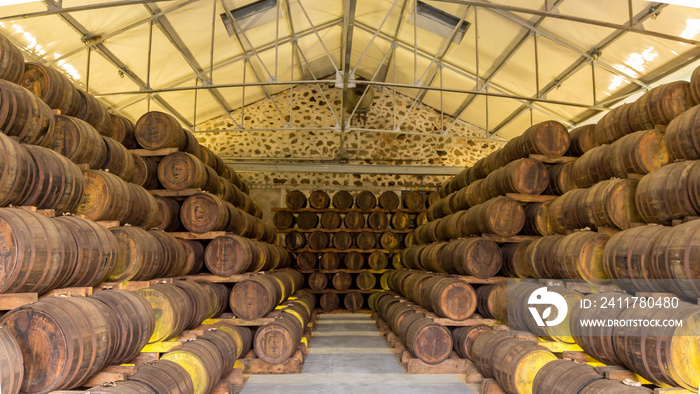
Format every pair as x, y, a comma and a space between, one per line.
541, 257
174, 257
231, 254
17, 172
342, 240
169, 210
318, 281
24, 115
342, 281
376, 261
217, 297
612, 204
515, 262
389, 200
276, 342
342, 200
161, 376
628, 259
105, 197
64, 341
593, 166
296, 200
668, 101
664, 194
377, 220
561, 179
695, 85
672, 261
354, 220
307, 260
93, 112
243, 336
353, 301
537, 220
12, 371
78, 141
354, 260
413, 201
52, 87
638, 153
615, 124
204, 212
579, 256
564, 377
365, 200
225, 343
140, 254
567, 213
548, 138
365, 240
583, 139
145, 173
157, 130
463, 339
428, 341
11, 69
265, 292
319, 240
401, 220
515, 363
34, 256
283, 220
482, 350
199, 299
525, 176
121, 130
120, 161
182, 170
58, 183
144, 208
203, 359
520, 318
501, 215
307, 220
366, 281
331, 220
487, 297
681, 136
330, 261
318, 199
606, 386
97, 251
329, 301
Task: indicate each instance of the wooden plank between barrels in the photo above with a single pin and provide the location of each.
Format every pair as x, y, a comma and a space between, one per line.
103, 377
175, 193
580, 357
346, 230
218, 279
162, 347
108, 223
450, 366
12, 301
487, 281
553, 159
152, 153
558, 347
145, 357
614, 372
70, 292
348, 250
530, 198
131, 285
335, 271
240, 322
195, 236
464, 323
514, 239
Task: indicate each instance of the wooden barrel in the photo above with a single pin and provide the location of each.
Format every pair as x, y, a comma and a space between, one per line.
595, 340
612, 204
402, 221
663, 195
567, 213
354, 260
501, 216
193, 147
296, 200
366, 281
218, 293
145, 172
231, 255
671, 260
169, 213
583, 139
174, 257
329, 301
606, 386
182, 170
342, 281
307, 261
593, 166
541, 257
157, 130
475, 256
564, 377
668, 101
202, 361
548, 138
537, 220
463, 339
389, 200
144, 208
64, 341
331, 220
225, 343
283, 220
342, 240
243, 336
199, 299
353, 301
24, 115
97, 251
204, 212
160, 376
343, 200
377, 261
483, 350
661, 354
579, 256
172, 307
614, 125
120, 161
450, 298
52, 87
318, 199
515, 363
525, 176
515, 262
390, 240
318, 281
58, 183
135, 319
12, 371
354, 220
105, 197
35, 258
377, 220
487, 297
413, 201
122, 130
638, 153
681, 136
307, 220
366, 240
428, 341
561, 179
330, 261
265, 291
318, 240
17, 171
11, 69
93, 112
366, 200
276, 342
140, 254
519, 315
78, 141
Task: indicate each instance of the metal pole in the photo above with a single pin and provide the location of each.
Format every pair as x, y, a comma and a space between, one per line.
87, 77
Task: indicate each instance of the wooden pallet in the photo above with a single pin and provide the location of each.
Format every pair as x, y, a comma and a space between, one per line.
335, 271
322, 210
175, 193
513, 239
153, 152
15, 300
622, 374
131, 285
531, 197
490, 386
345, 250
345, 230
198, 236
553, 159
217, 279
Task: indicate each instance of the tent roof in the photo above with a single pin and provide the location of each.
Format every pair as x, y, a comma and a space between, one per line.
537, 59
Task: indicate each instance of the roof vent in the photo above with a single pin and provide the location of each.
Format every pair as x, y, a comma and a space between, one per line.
250, 16
438, 22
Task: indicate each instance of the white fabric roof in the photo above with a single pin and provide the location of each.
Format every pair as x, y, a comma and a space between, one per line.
629, 61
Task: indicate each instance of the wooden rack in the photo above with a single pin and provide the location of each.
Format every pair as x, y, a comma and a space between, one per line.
346, 230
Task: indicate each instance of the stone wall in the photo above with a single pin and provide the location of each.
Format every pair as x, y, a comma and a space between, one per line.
461, 146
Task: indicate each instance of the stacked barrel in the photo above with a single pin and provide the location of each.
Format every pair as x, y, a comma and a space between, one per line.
343, 242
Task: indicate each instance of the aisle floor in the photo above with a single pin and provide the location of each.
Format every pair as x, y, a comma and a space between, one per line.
349, 355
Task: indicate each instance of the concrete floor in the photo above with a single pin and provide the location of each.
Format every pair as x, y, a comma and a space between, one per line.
348, 355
